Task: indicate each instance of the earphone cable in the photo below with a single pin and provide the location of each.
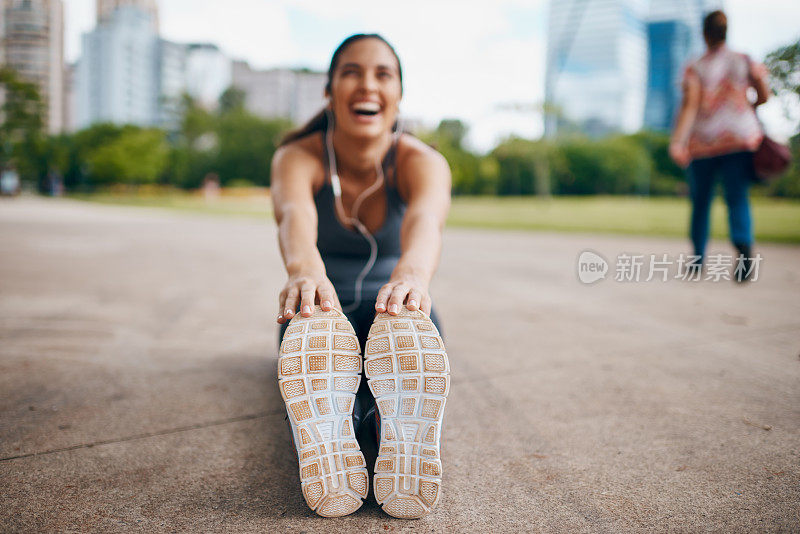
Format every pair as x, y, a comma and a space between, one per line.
353, 218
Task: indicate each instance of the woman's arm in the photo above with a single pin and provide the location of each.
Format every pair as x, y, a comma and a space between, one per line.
426, 187
758, 80
678, 147
293, 171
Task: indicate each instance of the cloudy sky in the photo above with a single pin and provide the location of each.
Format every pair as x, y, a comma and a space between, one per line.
461, 58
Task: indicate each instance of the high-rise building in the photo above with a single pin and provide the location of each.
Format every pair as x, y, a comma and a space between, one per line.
670, 47
675, 35
596, 66
33, 45
208, 73
69, 98
117, 73
171, 82
3, 31
293, 94
128, 75
106, 8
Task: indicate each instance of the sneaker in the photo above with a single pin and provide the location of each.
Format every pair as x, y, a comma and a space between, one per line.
408, 373
743, 263
319, 371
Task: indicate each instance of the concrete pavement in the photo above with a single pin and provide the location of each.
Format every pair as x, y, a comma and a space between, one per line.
138, 388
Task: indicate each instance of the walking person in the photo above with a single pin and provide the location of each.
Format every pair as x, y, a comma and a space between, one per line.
360, 208
716, 134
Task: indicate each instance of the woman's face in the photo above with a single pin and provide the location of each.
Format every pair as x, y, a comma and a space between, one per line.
365, 90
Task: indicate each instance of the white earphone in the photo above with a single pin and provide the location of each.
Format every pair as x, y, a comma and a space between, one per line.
353, 218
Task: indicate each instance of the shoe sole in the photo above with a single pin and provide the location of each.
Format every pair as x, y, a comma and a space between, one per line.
319, 371
408, 373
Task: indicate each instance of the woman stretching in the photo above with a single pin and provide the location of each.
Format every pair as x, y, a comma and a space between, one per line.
360, 209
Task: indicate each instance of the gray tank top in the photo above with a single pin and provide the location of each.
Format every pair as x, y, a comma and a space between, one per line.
345, 252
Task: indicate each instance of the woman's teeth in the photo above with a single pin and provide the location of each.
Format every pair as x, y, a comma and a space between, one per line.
367, 108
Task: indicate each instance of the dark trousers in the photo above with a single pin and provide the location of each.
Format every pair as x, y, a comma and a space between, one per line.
737, 173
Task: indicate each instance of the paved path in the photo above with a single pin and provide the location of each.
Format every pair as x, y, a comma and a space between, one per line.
138, 389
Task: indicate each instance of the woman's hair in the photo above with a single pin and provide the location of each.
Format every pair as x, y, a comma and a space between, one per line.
319, 122
715, 27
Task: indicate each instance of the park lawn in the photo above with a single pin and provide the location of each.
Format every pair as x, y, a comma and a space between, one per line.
253, 204
776, 220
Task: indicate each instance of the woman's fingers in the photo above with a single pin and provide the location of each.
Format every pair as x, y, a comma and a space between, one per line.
307, 293
414, 300
327, 297
392, 296
302, 293
281, 306
292, 300
397, 298
383, 298
426, 304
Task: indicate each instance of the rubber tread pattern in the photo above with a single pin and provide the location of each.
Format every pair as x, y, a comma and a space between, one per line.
408, 373
319, 370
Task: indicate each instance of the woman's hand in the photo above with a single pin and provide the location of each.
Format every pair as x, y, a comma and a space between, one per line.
679, 154
409, 290
305, 290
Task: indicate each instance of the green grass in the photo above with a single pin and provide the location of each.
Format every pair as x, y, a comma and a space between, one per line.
251, 206
775, 220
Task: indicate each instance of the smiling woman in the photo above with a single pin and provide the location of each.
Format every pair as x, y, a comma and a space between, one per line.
360, 208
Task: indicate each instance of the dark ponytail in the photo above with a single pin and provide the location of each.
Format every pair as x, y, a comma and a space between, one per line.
319, 122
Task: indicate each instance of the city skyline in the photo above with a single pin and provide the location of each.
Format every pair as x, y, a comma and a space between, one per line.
452, 72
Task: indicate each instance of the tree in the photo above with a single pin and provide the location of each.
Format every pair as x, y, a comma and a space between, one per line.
611, 166
137, 156
471, 173
246, 146
784, 77
520, 169
22, 125
667, 178
784, 69
452, 131
194, 151
232, 100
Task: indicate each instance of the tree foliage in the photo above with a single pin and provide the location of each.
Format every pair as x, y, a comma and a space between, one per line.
135, 157
472, 174
784, 69
22, 126
232, 143
238, 146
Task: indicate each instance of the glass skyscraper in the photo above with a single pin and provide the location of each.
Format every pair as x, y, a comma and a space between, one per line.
596, 66
616, 65
674, 34
670, 48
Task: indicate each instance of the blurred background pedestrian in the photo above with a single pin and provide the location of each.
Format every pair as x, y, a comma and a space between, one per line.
717, 132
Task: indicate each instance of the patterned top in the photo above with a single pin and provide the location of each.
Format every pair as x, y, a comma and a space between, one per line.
726, 121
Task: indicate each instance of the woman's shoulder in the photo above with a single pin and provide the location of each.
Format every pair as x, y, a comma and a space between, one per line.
419, 163
305, 148
412, 152
300, 161
304, 155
